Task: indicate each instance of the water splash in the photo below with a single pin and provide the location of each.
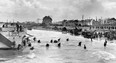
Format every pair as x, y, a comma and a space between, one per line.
104, 55
31, 56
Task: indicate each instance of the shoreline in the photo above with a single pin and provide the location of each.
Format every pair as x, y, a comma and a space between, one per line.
40, 28
48, 29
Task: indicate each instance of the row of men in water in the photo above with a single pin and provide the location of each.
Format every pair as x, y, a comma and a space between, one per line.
79, 44
105, 44
26, 41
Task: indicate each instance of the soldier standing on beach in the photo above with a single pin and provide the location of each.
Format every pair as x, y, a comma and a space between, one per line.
105, 43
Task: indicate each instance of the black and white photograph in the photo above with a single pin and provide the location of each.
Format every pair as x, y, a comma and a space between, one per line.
57, 31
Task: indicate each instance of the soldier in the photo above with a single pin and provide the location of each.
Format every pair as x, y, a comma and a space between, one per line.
51, 41
105, 43
29, 44
59, 45
67, 39
19, 46
34, 38
58, 39
55, 41
32, 48
47, 45
24, 43
84, 46
79, 44
39, 41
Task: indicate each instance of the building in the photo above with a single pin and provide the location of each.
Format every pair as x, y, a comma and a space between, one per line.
47, 20
77, 23
109, 21
71, 23
104, 27
86, 22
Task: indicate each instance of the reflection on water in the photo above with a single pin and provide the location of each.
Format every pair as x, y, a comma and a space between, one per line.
69, 52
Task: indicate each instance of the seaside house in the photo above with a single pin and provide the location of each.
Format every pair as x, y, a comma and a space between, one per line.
104, 27
109, 21
47, 20
71, 23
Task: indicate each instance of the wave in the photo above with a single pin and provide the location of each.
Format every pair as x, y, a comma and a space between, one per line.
3, 59
31, 56
104, 55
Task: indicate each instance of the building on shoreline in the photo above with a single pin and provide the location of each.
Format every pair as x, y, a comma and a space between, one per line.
104, 27
47, 21
71, 23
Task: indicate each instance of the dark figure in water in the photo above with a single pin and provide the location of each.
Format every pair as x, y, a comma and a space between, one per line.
47, 45
91, 39
51, 41
20, 28
105, 43
58, 39
24, 36
67, 39
31, 48
55, 41
84, 46
34, 38
59, 44
79, 44
17, 26
24, 43
39, 41
29, 44
27, 39
19, 46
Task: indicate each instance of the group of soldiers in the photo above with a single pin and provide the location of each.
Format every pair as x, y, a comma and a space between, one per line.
27, 42
79, 44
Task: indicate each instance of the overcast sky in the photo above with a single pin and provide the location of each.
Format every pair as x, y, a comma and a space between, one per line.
23, 10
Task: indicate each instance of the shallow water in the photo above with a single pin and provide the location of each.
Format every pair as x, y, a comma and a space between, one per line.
69, 52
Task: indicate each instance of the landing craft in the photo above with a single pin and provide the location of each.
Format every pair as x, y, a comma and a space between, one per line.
8, 32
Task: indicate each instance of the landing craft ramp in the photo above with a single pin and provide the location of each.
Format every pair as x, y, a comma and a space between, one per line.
5, 41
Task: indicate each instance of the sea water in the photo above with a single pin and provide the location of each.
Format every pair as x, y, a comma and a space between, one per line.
69, 52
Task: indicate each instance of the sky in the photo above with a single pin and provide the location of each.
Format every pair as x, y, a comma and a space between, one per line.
31, 10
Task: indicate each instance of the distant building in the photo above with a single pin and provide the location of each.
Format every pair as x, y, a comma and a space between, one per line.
71, 23
47, 20
109, 21
86, 22
74, 23
96, 22
104, 21
104, 27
